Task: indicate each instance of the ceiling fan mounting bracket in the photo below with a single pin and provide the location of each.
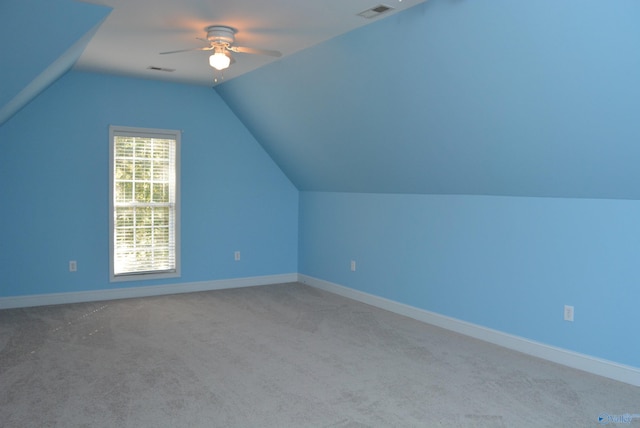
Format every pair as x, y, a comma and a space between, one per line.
221, 35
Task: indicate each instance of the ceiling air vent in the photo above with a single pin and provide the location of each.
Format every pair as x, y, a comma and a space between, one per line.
168, 70
375, 11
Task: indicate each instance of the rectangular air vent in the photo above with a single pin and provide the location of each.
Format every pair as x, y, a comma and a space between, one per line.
168, 70
375, 11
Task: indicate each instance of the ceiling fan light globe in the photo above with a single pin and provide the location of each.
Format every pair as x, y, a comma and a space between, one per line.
219, 61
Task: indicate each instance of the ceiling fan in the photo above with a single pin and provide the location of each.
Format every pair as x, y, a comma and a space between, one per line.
221, 39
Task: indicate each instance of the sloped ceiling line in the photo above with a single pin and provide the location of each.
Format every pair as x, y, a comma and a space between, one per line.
52, 73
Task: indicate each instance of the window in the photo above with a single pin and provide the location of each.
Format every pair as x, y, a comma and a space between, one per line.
144, 203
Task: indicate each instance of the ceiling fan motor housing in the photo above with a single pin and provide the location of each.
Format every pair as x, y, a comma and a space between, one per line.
219, 34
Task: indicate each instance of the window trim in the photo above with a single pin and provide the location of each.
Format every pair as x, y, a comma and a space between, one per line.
146, 132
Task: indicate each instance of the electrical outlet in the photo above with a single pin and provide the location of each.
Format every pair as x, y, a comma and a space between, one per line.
236, 256
73, 266
353, 265
568, 313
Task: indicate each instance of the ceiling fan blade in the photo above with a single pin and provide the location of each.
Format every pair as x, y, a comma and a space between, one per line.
243, 49
209, 48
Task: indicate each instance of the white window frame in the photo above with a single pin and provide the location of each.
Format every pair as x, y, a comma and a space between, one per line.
153, 133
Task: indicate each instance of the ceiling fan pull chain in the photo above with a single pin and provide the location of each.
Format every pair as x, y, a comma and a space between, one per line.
215, 77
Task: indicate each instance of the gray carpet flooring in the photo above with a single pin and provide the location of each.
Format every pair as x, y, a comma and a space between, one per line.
284, 355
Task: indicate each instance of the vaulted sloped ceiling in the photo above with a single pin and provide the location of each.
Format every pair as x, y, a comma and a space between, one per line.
41, 40
501, 97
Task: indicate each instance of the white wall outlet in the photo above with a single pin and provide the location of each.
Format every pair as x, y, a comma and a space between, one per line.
236, 256
73, 266
568, 313
353, 265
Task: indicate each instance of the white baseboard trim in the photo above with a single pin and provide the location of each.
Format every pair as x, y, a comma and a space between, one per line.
144, 291
597, 366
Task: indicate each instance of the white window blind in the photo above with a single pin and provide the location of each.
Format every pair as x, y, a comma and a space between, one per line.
144, 196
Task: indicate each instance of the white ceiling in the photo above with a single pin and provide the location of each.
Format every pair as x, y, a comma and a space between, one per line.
136, 31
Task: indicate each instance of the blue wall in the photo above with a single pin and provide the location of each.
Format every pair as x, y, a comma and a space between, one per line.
36, 33
488, 98
501, 97
507, 263
54, 186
